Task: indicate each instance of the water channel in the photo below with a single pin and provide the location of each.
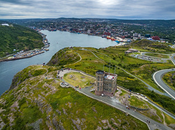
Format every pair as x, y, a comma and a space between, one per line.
58, 40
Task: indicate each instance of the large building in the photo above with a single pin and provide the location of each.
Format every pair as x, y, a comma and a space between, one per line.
106, 83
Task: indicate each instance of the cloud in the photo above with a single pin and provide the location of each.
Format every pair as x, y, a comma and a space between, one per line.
155, 9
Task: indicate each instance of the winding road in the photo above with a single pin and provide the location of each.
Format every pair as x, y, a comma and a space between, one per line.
149, 87
114, 103
157, 76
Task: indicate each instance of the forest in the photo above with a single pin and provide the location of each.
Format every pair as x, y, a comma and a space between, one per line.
15, 38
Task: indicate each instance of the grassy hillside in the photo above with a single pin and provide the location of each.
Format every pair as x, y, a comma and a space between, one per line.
63, 57
19, 38
152, 46
38, 102
115, 56
169, 79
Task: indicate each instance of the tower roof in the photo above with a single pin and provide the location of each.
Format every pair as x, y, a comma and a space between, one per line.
100, 72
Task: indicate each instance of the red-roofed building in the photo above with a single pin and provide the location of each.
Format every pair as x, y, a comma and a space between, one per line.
155, 38
107, 33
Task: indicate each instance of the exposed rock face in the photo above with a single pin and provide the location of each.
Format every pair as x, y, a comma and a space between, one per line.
36, 125
2, 124
93, 108
64, 111
77, 123
40, 103
55, 123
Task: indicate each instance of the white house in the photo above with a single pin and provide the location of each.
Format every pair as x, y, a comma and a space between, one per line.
5, 24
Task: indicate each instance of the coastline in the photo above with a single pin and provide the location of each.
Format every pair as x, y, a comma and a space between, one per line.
21, 57
30, 53
44, 48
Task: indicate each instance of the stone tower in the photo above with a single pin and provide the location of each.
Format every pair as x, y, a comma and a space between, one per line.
106, 83
99, 82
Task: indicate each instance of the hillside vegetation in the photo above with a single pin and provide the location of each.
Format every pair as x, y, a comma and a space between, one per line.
152, 46
63, 57
19, 38
169, 79
115, 56
38, 102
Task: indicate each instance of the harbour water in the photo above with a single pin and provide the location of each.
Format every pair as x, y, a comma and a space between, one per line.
58, 40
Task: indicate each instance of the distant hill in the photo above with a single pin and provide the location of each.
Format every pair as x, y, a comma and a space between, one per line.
63, 57
152, 46
18, 38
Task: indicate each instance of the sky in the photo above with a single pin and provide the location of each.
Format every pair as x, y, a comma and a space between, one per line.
117, 9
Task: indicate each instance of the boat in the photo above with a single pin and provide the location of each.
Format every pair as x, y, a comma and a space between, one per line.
46, 49
108, 37
112, 39
117, 41
103, 36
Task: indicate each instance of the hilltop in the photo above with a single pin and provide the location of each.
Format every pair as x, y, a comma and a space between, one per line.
15, 38
37, 100
115, 58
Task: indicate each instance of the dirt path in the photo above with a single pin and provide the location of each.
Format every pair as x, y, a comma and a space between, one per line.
164, 119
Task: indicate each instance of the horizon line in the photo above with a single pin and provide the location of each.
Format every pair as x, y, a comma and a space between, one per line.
86, 18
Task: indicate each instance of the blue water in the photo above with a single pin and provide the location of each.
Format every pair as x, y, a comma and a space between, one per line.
58, 40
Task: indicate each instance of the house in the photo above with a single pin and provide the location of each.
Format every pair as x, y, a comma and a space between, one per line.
131, 51
106, 83
5, 24
155, 38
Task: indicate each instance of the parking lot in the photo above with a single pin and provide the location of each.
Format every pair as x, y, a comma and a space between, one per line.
149, 58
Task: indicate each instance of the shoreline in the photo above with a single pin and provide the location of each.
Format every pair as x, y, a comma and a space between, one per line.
21, 57
40, 51
44, 48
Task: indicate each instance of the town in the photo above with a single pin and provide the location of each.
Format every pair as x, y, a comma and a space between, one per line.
122, 32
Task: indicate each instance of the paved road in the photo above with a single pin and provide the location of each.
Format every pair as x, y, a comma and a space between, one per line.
172, 59
114, 103
149, 87
157, 76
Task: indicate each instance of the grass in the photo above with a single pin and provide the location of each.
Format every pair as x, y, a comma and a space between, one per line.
71, 104
169, 79
83, 107
133, 65
157, 55
114, 56
134, 101
158, 117
89, 109
64, 57
140, 49
78, 79
123, 93
169, 120
89, 63
145, 72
